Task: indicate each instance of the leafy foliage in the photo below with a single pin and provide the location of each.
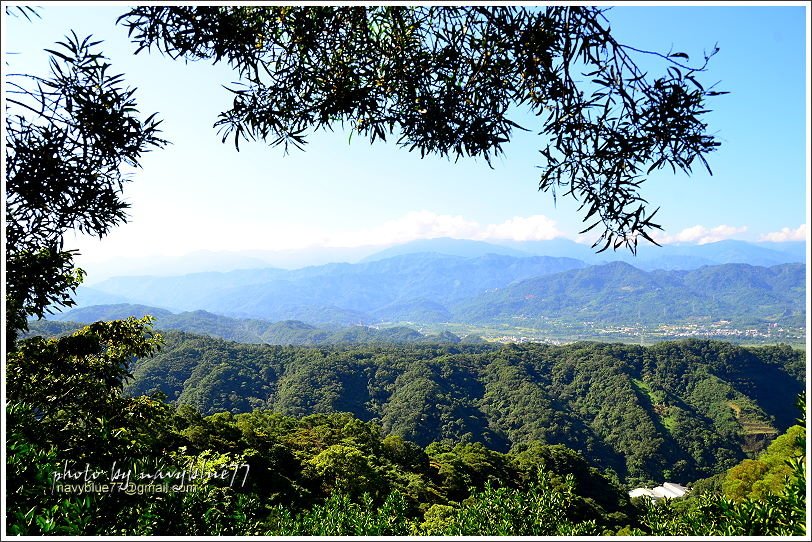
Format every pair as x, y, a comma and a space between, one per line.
297, 486
66, 407
341, 516
333, 473
541, 510
446, 80
781, 511
67, 138
756, 478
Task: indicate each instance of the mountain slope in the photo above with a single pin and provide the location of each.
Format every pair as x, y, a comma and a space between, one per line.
288, 332
618, 293
491, 289
119, 311
674, 256
692, 408
396, 288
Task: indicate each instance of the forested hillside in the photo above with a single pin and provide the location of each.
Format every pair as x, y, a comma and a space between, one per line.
323, 452
681, 410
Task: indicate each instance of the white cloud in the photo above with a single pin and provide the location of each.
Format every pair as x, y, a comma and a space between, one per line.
701, 235
414, 225
428, 225
145, 238
786, 234
530, 228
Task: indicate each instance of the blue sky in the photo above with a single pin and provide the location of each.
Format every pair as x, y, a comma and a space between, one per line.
201, 194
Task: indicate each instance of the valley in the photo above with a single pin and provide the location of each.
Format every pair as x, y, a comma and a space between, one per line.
563, 332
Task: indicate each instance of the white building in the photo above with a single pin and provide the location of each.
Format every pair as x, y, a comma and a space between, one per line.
642, 492
668, 490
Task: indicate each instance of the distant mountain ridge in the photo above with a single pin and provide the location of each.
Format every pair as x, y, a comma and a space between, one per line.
406, 287
649, 257
288, 332
674, 256
618, 293
451, 247
431, 288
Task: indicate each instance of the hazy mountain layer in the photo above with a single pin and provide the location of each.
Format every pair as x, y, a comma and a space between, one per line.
288, 332
416, 287
649, 257
429, 288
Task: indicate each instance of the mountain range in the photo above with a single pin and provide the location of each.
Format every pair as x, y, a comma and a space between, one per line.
409, 287
460, 281
619, 293
649, 257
